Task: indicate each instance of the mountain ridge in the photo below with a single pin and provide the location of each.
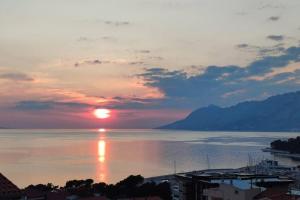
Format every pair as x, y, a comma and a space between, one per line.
276, 113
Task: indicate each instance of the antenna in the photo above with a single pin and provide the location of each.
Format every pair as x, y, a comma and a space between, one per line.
175, 167
250, 160
207, 161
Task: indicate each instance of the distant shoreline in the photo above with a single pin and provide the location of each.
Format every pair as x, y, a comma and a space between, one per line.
233, 130
282, 153
159, 129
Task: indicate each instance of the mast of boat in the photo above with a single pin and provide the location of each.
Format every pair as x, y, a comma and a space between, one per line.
175, 171
250, 160
207, 161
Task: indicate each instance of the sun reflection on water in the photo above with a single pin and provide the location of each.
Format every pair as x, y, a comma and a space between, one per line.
101, 151
102, 130
102, 154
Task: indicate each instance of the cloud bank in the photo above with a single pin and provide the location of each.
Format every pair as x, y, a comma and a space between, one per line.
226, 85
16, 77
276, 37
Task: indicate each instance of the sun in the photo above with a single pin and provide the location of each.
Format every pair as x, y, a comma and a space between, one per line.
102, 113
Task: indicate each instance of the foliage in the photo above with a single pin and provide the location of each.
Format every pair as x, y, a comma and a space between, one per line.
42, 188
292, 145
132, 186
81, 188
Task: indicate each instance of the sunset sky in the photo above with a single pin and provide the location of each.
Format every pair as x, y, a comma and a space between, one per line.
149, 62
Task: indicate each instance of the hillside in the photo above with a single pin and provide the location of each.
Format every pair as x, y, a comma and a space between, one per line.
277, 113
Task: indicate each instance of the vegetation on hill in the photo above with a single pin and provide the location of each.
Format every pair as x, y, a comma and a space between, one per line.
291, 145
131, 187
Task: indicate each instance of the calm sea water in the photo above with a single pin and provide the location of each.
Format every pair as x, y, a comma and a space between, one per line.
42, 156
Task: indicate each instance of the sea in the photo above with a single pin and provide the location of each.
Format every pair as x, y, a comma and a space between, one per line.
56, 155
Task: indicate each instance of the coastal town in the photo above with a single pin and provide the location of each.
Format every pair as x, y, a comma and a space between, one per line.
150, 100
267, 180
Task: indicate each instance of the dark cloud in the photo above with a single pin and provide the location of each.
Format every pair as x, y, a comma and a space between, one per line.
45, 105
133, 103
263, 51
266, 64
136, 63
16, 77
99, 62
90, 62
236, 83
88, 39
106, 37
274, 50
276, 37
242, 46
110, 38
111, 103
84, 39
271, 6
155, 58
33, 105
274, 18
144, 51
117, 23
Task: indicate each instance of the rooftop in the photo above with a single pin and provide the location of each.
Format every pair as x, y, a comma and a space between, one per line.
7, 188
238, 183
238, 180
